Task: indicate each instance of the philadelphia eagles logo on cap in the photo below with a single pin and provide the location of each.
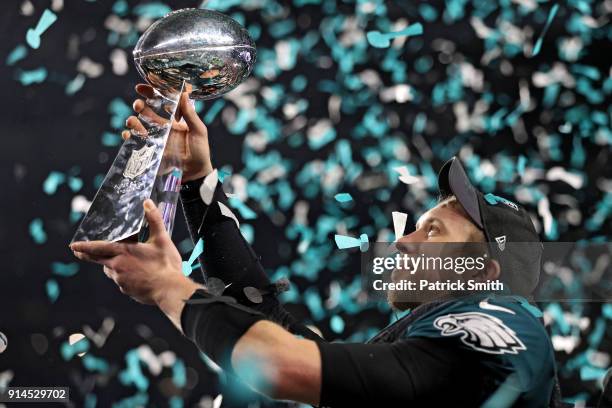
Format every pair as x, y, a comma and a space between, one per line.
480, 331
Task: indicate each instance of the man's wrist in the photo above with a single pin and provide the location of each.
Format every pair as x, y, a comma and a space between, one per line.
198, 175
171, 298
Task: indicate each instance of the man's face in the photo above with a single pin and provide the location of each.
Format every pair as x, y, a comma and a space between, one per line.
446, 222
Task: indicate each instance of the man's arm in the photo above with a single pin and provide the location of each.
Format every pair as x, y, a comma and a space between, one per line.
227, 255
277, 364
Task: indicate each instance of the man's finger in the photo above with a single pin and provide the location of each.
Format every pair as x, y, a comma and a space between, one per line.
149, 116
109, 272
145, 90
154, 218
187, 111
88, 258
134, 123
98, 249
138, 105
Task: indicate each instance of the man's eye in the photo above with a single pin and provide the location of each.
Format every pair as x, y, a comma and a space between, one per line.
432, 230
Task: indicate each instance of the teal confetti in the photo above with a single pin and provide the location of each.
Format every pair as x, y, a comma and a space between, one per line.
119, 111
429, 13
132, 375
53, 290
343, 197
53, 181
520, 166
65, 269
75, 85
95, 364
214, 110
313, 301
383, 40
120, 7
538, 44
75, 184
222, 5
364, 243
68, 351
91, 400
248, 232
140, 399
344, 242
37, 231
606, 310
18, 53
110, 139
175, 402
33, 35
179, 374
34, 76
245, 212
152, 10
588, 373
337, 324
195, 253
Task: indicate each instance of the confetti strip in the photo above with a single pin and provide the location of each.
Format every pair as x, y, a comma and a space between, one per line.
399, 223
18, 53
207, 189
343, 197
33, 34
383, 40
197, 251
228, 213
341, 99
538, 45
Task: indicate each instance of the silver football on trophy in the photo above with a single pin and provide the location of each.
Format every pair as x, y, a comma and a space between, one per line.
209, 50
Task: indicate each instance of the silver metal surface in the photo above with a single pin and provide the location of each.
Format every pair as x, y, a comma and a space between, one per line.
208, 50
202, 52
144, 168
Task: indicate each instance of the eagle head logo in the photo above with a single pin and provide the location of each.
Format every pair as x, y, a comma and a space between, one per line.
481, 332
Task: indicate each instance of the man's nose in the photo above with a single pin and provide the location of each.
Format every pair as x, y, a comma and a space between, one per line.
408, 244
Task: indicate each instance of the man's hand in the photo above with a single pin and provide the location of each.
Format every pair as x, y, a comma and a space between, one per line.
189, 134
148, 272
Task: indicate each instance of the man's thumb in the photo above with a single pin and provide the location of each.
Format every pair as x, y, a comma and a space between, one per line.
154, 218
189, 114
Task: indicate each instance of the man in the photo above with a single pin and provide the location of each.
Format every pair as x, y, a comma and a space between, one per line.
478, 350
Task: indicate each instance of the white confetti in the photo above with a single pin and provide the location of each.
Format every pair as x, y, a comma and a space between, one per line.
228, 213
544, 211
405, 176
118, 58
74, 338
207, 189
27, 8
90, 68
399, 223
80, 204
558, 173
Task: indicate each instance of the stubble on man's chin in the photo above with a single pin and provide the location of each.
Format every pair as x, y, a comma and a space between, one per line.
400, 305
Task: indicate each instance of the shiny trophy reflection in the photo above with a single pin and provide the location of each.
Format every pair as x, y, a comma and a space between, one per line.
202, 52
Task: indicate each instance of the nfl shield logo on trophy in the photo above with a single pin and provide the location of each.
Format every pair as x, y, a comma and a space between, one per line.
139, 161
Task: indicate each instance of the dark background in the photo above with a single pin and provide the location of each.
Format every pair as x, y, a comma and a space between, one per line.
49, 132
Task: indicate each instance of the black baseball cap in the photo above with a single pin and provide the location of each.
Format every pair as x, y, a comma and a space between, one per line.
507, 227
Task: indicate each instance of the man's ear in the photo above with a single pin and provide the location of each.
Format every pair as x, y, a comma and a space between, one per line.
491, 271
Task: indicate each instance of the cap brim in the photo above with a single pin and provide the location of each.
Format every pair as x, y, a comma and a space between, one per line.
452, 180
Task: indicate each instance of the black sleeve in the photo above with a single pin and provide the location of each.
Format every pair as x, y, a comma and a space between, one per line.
414, 370
229, 257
